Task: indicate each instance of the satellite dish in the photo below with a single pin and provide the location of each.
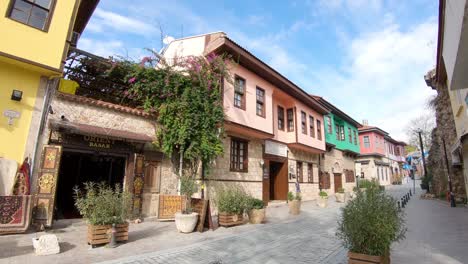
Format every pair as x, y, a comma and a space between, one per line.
168, 39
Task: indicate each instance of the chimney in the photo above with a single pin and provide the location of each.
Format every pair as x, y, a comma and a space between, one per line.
365, 122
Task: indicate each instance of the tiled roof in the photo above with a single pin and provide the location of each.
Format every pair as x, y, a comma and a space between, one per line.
99, 103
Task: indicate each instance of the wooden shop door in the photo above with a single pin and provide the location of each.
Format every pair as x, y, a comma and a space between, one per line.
338, 181
278, 181
46, 185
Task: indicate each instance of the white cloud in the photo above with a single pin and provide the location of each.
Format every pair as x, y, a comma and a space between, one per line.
103, 20
381, 78
102, 48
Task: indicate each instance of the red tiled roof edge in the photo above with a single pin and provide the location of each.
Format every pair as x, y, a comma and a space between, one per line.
99, 103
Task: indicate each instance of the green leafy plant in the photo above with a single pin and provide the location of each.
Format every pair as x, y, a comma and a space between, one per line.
292, 197
186, 94
368, 184
254, 203
99, 204
341, 190
323, 194
188, 187
298, 196
231, 201
371, 222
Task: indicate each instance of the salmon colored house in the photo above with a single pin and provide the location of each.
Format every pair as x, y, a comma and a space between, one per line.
372, 162
274, 130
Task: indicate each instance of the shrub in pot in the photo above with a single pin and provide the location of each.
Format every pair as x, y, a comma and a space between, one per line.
231, 204
256, 210
294, 203
187, 220
104, 208
340, 195
368, 226
322, 200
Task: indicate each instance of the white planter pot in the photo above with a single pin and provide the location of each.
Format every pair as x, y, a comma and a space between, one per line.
322, 201
340, 197
186, 223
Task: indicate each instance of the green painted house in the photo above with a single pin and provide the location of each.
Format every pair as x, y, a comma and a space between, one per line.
338, 164
341, 131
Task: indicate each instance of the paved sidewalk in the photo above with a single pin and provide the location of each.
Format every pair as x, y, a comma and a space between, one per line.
436, 233
308, 238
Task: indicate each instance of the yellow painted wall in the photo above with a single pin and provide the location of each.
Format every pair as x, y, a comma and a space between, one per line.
33, 44
13, 138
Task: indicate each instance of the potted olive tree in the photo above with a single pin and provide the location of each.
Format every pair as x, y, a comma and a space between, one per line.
294, 203
106, 210
322, 200
368, 226
187, 220
231, 205
340, 195
256, 210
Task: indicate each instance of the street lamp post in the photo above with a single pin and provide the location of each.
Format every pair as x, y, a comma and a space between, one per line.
422, 155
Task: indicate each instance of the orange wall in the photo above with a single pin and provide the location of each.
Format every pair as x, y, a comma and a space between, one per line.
249, 117
306, 139
376, 143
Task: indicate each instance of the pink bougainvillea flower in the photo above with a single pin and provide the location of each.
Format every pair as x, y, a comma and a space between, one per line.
144, 61
132, 80
211, 57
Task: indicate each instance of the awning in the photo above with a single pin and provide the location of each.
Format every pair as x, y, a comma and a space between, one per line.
85, 129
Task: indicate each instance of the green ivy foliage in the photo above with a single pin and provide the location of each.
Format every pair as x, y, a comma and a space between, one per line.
186, 95
371, 222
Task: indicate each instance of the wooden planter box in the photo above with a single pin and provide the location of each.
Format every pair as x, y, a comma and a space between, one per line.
356, 258
101, 234
225, 219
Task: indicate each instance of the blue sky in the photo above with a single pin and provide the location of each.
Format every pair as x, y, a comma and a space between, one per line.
367, 57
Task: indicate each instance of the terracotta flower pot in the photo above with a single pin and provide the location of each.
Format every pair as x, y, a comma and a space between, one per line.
340, 197
186, 223
257, 216
294, 207
322, 201
362, 258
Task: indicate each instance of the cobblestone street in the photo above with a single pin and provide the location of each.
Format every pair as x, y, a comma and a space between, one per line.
309, 238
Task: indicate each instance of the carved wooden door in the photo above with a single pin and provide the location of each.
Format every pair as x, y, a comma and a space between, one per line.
46, 185
138, 183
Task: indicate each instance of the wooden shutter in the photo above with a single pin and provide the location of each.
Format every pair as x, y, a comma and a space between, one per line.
138, 183
46, 185
325, 180
349, 175
300, 174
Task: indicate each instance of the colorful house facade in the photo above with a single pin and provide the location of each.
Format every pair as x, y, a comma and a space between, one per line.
381, 158
371, 163
342, 140
395, 157
274, 129
37, 36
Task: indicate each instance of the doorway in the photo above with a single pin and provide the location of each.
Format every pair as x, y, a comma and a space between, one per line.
278, 181
338, 181
79, 167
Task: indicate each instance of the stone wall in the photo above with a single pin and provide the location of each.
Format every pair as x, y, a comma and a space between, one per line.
445, 129
220, 176
309, 190
336, 162
65, 110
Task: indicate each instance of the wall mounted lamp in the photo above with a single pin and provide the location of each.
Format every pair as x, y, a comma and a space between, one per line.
16, 95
